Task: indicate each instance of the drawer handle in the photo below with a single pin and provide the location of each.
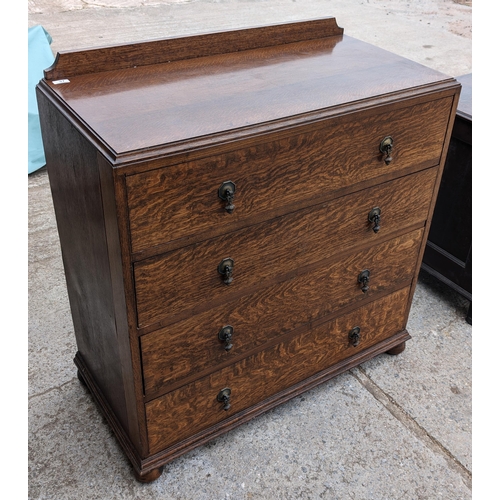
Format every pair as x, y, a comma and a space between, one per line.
224, 396
374, 218
354, 336
363, 279
226, 193
386, 147
226, 267
226, 335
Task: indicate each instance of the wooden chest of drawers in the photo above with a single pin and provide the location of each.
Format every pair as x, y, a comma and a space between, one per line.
242, 216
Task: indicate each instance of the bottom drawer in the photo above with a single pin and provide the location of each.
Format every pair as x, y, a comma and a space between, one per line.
195, 407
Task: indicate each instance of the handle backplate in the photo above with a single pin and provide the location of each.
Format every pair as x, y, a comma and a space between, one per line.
225, 268
226, 193
226, 335
354, 336
224, 397
363, 279
386, 147
374, 218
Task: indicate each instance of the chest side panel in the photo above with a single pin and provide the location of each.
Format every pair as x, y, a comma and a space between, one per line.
83, 225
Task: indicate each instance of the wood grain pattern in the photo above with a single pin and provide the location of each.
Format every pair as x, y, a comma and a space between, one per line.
98, 312
194, 407
137, 143
146, 107
72, 63
186, 280
165, 204
191, 347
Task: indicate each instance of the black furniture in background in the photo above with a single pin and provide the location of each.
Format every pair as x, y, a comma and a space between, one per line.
448, 254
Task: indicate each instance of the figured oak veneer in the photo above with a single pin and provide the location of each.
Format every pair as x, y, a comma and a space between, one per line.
186, 411
266, 251
330, 288
164, 205
139, 138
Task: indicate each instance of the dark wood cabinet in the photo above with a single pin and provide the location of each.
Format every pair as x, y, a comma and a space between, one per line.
242, 216
448, 255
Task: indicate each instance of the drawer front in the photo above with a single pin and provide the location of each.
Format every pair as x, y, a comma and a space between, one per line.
195, 407
193, 346
182, 200
183, 280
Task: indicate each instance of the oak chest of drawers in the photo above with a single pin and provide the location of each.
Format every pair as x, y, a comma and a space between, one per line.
242, 216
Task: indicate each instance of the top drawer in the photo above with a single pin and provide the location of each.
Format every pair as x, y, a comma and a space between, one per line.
181, 202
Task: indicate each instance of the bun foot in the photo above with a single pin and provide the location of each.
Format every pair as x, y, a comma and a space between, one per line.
149, 476
397, 349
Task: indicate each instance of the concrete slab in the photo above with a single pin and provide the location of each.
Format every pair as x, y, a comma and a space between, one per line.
431, 381
394, 428
335, 441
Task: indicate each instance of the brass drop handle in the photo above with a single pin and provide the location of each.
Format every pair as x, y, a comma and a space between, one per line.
226, 193
363, 279
226, 335
386, 147
374, 218
224, 396
355, 336
225, 268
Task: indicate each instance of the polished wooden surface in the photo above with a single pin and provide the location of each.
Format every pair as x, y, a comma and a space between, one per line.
191, 347
137, 148
84, 203
194, 407
274, 177
143, 107
179, 283
126, 56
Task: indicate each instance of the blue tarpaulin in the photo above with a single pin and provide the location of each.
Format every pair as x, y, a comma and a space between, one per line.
40, 57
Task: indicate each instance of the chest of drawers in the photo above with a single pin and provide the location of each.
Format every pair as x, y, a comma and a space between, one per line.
242, 216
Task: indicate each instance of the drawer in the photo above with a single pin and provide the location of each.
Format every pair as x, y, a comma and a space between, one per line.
187, 280
192, 347
194, 407
177, 202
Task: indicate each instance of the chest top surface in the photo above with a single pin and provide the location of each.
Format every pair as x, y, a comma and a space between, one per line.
148, 104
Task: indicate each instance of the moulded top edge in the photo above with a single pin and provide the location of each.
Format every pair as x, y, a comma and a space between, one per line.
156, 106
172, 153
